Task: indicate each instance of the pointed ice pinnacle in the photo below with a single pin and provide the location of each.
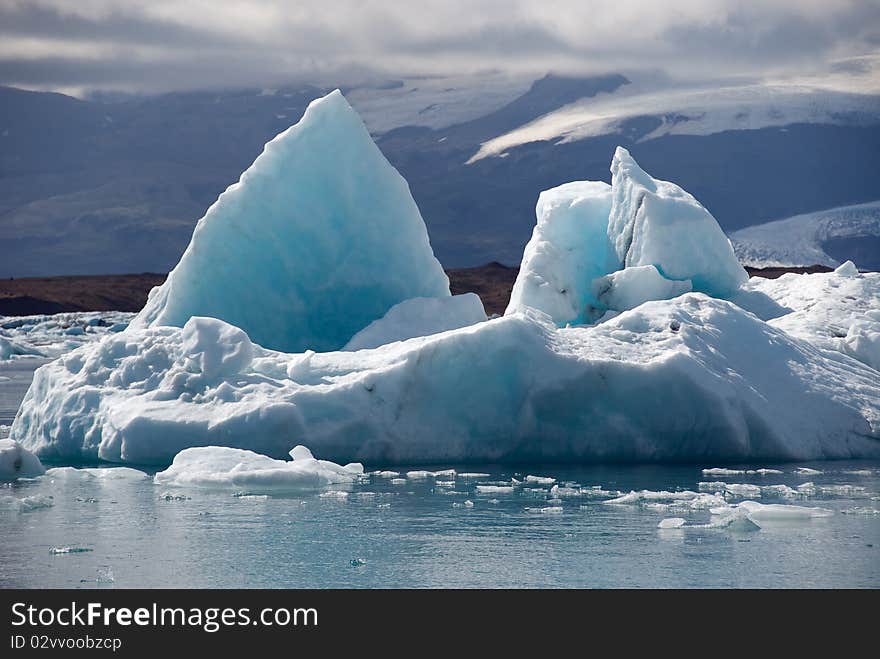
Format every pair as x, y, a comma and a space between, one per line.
654, 222
319, 238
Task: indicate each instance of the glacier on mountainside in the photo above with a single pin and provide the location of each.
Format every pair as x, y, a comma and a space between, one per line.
319, 238
799, 240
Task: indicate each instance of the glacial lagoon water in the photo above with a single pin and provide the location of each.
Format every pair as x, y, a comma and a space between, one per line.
82, 530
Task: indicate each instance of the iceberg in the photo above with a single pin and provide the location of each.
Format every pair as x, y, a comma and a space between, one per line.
320, 247
654, 222
230, 468
569, 248
692, 377
421, 316
18, 462
318, 239
597, 247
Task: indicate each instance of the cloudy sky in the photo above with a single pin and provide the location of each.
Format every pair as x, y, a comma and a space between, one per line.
159, 45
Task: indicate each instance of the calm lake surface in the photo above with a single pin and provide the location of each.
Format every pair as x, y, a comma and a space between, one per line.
83, 530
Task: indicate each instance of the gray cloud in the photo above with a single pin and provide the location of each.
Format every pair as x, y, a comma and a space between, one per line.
158, 45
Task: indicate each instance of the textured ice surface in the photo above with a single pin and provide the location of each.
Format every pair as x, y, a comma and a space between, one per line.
837, 310
653, 222
230, 468
628, 288
656, 239
671, 379
568, 249
421, 316
18, 462
319, 238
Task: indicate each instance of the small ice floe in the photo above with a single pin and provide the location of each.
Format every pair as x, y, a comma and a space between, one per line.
68, 550
398, 481
385, 474
467, 503
540, 480
743, 490
494, 489
35, 502
546, 510
247, 496
357, 562
176, 496
444, 483
722, 471
104, 575
671, 523
806, 471
861, 510
95, 474
17, 462
421, 474
471, 475
337, 495
223, 467
859, 472
774, 512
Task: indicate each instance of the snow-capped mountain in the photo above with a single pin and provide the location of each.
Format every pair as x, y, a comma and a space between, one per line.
115, 184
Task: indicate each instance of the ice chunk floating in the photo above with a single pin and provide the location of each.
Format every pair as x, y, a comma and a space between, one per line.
229, 468
18, 462
613, 346
693, 377
319, 238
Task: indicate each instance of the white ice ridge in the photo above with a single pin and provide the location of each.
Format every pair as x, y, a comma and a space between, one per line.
238, 469
597, 248
18, 462
318, 239
837, 311
672, 379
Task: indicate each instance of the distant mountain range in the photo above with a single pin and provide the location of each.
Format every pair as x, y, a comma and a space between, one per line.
115, 184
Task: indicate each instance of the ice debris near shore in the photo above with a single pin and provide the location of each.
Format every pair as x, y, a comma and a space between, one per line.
319, 238
17, 462
763, 375
238, 469
43, 335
